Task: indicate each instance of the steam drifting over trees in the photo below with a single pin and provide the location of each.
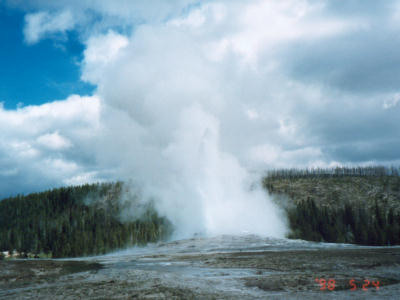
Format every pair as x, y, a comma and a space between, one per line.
75, 221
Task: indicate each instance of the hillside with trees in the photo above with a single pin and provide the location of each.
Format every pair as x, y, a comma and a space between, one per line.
344, 205
76, 221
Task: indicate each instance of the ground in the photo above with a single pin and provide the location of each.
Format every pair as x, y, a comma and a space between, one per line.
181, 273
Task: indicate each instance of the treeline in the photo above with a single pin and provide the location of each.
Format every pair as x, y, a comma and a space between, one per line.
357, 205
334, 172
349, 224
75, 221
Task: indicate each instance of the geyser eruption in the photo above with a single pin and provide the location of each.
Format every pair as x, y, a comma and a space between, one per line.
208, 191
202, 189
166, 104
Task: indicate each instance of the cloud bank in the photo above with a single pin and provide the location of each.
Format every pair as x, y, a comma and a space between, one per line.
193, 96
48, 145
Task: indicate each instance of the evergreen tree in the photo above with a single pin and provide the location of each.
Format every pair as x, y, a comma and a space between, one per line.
63, 223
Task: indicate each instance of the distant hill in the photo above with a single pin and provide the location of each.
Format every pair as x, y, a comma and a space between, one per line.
76, 221
347, 205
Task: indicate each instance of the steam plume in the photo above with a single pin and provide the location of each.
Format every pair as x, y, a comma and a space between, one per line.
167, 137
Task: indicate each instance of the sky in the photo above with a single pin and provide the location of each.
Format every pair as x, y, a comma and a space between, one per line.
35, 74
184, 93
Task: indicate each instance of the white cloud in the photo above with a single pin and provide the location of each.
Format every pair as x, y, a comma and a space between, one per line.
178, 56
391, 101
53, 141
100, 51
83, 177
46, 145
264, 25
196, 58
41, 24
57, 166
214, 13
252, 114
53, 18
75, 110
272, 156
23, 150
133, 10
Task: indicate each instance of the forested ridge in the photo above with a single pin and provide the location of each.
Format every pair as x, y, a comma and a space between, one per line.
344, 205
75, 221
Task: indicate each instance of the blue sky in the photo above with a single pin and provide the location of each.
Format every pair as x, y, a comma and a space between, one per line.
172, 93
35, 74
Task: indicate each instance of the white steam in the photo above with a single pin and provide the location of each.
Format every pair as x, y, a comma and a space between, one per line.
169, 121
207, 190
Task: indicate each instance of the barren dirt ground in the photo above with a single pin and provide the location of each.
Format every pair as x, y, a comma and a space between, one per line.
237, 274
